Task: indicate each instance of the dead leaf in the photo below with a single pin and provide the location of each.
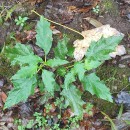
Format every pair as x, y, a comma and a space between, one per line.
94, 22
55, 31
120, 50
81, 46
85, 9
3, 96
72, 8
30, 34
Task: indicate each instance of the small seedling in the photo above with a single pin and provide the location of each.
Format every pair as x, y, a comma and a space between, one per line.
96, 9
21, 21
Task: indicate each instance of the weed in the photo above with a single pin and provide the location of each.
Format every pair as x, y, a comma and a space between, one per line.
42, 72
96, 9
21, 21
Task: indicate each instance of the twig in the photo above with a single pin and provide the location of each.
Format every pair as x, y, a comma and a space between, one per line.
57, 23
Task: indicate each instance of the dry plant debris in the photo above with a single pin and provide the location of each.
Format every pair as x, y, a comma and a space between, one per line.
81, 46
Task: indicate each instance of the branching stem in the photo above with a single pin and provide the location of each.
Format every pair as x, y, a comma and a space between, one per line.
58, 23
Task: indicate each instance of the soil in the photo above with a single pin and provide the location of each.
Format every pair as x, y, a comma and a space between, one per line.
116, 72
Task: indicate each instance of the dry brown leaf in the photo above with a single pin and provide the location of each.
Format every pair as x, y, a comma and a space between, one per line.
120, 50
72, 8
84, 9
81, 46
94, 22
3, 96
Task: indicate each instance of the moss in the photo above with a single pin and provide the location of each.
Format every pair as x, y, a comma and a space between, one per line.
109, 108
5, 68
110, 6
114, 77
29, 26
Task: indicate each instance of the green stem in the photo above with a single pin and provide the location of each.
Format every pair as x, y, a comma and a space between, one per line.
69, 66
40, 67
112, 124
45, 58
58, 23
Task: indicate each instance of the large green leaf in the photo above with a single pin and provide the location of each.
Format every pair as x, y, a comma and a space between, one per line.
93, 84
28, 59
61, 49
56, 62
23, 88
99, 51
18, 50
44, 35
48, 80
25, 72
79, 70
73, 99
69, 78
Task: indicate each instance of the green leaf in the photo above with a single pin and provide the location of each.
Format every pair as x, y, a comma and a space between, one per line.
70, 50
61, 71
28, 59
23, 88
18, 50
48, 80
25, 72
44, 35
93, 84
56, 62
61, 49
79, 69
91, 64
99, 51
73, 99
69, 78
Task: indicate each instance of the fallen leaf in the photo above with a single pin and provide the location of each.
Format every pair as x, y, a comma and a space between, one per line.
72, 8
55, 31
3, 96
120, 50
85, 9
81, 46
94, 22
30, 34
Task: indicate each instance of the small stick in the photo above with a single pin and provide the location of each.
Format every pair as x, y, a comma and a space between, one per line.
58, 23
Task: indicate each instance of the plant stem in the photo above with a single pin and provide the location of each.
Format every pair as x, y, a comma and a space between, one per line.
40, 67
45, 58
69, 66
109, 119
58, 23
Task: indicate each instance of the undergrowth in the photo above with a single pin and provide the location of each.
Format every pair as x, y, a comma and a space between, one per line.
61, 79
